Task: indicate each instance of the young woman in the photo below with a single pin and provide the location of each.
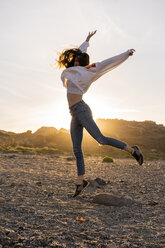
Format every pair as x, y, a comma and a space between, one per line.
77, 78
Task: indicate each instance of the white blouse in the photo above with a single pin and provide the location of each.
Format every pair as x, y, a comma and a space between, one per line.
77, 79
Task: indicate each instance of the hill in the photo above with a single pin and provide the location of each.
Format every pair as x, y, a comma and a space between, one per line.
147, 134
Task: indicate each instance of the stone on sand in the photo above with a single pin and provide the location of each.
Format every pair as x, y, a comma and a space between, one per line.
93, 184
112, 200
112, 245
100, 181
70, 158
114, 191
96, 183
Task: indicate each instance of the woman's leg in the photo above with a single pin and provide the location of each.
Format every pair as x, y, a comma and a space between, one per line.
86, 119
76, 130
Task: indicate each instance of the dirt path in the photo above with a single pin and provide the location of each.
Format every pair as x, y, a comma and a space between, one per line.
37, 208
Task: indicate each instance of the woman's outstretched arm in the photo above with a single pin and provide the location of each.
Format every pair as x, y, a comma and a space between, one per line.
111, 63
83, 47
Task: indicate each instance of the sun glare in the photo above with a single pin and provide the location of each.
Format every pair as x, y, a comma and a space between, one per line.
58, 116
100, 106
108, 108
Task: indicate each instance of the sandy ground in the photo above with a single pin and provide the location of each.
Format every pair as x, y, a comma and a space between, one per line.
37, 208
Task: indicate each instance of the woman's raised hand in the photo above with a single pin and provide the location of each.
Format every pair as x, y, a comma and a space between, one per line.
131, 52
90, 35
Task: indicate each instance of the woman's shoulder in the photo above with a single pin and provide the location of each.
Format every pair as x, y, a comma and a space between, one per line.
77, 70
72, 71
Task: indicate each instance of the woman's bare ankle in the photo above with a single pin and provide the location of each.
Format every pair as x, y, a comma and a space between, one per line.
79, 179
129, 149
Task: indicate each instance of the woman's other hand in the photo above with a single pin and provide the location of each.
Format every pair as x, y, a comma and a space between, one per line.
131, 52
90, 35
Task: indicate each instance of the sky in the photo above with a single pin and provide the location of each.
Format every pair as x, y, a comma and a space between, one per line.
33, 31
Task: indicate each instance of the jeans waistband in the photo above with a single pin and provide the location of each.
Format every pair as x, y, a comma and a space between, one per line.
77, 104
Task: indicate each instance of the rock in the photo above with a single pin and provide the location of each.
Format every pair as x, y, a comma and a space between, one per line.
112, 200
100, 181
6, 231
114, 191
127, 197
56, 244
50, 193
2, 234
112, 245
121, 181
70, 159
20, 228
12, 156
39, 183
20, 185
153, 203
2, 181
143, 192
2, 200
93, 184
12, 235
12, 185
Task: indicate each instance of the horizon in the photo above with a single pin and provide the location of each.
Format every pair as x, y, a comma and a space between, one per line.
58, 129
31, 91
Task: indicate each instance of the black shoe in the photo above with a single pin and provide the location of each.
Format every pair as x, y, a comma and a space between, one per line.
80, 188
137, 154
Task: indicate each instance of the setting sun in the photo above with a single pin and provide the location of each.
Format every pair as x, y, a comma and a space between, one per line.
57, 114
103, 107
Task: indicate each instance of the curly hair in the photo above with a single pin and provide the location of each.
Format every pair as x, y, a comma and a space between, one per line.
67, 57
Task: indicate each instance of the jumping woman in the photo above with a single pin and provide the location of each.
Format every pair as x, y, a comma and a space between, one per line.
77, 78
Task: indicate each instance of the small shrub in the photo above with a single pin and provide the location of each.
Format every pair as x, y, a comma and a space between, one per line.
10, 149
48, 150
108, 159
21, 149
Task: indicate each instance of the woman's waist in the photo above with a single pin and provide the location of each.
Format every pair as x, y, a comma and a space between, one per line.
73, 99
79, 108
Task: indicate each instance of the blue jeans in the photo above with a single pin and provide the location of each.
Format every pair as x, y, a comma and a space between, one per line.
82, 118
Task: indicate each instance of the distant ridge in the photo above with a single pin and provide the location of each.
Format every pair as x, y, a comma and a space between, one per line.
46, 131
147, 134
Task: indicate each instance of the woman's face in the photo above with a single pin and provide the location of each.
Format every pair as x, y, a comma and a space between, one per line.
76, 61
